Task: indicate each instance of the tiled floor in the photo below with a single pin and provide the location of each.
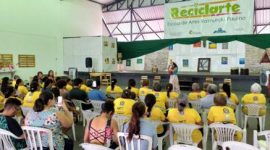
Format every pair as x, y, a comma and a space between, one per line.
252, 125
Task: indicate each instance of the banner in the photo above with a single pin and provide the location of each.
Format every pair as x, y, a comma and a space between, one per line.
208, 18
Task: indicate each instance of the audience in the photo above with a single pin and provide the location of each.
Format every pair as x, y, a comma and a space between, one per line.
21, 90
102, 130
51, 75
61, 85
196, 93
208, 100
32, 95
132, 86
226, 90
161, 98
85, 88
45, 115
48, 83
69, 84
113, 88
139, 126
4, 84
170, 93
12, 106
15, 78
123, 106
95, 93
144, 90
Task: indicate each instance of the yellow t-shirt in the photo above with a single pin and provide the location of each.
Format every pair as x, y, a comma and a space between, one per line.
85, 88
2, 102
233, 98
144, 91
13, 83
173, 95
116, 89
161, 100
123, 106
193, 96
69, 87
157, 114
254, 98
30, 98
135, 90
190, 116
22, 90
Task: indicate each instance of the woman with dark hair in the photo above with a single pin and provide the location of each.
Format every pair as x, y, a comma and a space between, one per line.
154, 113
32, 95
15, 77
144, 90
122, 106
173, 70
51, 75
21, 90
171, 94
40, 76
139, 126
226, 90
102, 130
113, 88
47, 85
4, 84
161, 98
132, 86
45, 115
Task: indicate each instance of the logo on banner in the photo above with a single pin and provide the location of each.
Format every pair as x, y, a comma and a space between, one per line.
194, 32
219, 30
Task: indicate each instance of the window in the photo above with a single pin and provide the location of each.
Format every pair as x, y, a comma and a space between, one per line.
27, 61
6, 60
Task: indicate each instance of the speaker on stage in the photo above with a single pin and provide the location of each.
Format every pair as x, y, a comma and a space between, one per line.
88, 62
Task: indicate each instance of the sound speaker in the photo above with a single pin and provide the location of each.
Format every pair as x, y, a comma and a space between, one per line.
88, 62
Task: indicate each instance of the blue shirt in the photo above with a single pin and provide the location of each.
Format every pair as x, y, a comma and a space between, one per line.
207, 101
146, 128
96, 95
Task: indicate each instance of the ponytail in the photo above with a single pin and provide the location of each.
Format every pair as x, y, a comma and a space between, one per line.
131, 83
18, 81
138, 110
169, 88
39, 105
34, 86
113, 84
42, 101
227, 89
150, 101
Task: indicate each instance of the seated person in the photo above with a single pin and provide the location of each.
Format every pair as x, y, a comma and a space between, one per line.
95, 93
144, 90
45, 115
255, 97
226, 90
102, 130
85, 88
12, 106
184, 114
69, 84
139, 126
132, 87
161, 98
122, 106
208, 100
196, 93
15, 78
222, 113
113, 88
48, 84
170, 93
154, 113
32, 95
77, 94
21, 90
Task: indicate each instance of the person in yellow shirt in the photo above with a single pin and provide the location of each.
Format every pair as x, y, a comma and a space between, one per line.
69, 84
15, 78
85, 88
161, 98
144, 90
32, 96
123, 106
113, 88
21, 90
255, 97
2, 101
132, 87
184, 114
222, 113
196, 93
170, 93
154, 113
226, 90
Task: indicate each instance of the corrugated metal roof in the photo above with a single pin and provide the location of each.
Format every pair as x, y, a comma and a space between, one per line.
262, 4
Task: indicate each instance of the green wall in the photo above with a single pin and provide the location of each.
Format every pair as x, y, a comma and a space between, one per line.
38, 27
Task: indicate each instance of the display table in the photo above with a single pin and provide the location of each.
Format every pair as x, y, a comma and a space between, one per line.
7, 73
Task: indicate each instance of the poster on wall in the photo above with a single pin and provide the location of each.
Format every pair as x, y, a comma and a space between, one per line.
204, 64
128, 62
139, 61
242, 61
208, 18
212, 45
185, 63
170, 47
197, 44
224, 60
225, 45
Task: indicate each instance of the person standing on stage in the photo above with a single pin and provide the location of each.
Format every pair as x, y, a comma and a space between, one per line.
173, 69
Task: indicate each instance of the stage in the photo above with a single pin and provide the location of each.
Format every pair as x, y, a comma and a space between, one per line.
239, 82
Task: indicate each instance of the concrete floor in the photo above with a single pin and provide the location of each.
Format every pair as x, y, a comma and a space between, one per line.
252, 125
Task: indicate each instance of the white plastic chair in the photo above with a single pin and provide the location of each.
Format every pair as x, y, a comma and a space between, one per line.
121, 119
172, 103
131, 145
25, 110
142, 97
160, 139
233, 145
5, 140
78, 104
183, 147
253, 111
184, 133
88, 115
88, 146
73, 128
205, 127
97, 105
33, 136
224, 132
237, 112
265, 144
